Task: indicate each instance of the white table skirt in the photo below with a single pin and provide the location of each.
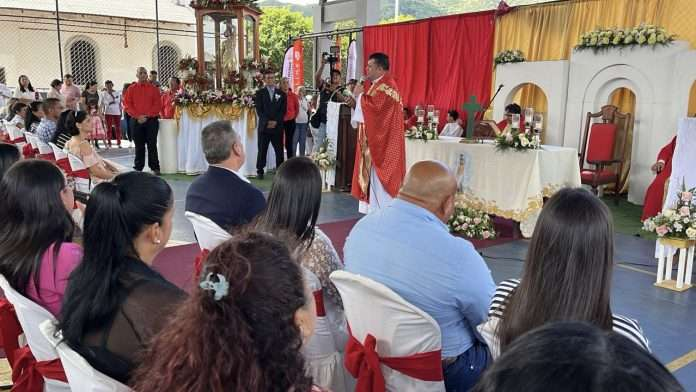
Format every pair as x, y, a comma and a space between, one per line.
166, 145
332, 114
190, 152
509, 184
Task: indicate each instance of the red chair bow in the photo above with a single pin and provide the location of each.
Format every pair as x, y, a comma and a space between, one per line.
27, 373
198, 264
82, 173
64, 164
28, 151
47, 157
363, 363
18, 140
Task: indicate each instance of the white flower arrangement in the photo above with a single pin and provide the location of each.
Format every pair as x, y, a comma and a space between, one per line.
509, 56
323, 156
421, 132
516, 140
643, 35
471, 223
678, 222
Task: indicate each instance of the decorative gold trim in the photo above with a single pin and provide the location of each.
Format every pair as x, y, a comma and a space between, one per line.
228, 112
490, 207
679, 243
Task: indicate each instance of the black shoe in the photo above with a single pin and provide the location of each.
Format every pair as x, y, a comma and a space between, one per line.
259, 176
156, 172
136, 169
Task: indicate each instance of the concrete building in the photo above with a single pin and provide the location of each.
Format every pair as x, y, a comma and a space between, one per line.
99, 39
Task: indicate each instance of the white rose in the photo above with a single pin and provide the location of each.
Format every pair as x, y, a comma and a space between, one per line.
508, 138
691, 233
678, 227
429, 135
523, 141
668, 213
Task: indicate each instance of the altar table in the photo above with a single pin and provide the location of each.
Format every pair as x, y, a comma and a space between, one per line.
190, 158
509, 184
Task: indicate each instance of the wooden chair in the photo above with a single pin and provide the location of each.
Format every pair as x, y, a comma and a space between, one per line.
603, 147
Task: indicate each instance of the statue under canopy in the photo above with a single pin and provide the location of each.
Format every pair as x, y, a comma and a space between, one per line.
228, 49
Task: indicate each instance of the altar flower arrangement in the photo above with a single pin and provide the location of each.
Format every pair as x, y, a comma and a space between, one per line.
471, 223
212, 97
420, 132
678, 222
509, 56
516, 140
643, 35
221, 3
188, 63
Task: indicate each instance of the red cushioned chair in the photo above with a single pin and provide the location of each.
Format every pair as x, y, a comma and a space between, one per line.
602, 153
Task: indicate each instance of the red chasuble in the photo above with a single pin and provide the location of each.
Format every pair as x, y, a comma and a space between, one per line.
656, 191
380, 140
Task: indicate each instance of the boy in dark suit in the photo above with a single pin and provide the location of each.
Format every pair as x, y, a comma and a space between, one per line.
271, 104
222, 194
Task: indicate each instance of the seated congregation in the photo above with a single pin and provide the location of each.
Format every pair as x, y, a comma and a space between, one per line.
274, 308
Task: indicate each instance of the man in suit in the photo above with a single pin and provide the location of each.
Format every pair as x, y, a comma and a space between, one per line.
223, 194
271, 104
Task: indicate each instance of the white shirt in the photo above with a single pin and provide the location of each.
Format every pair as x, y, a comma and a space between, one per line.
452, 129
241, 176
302, 117
4, 93
111, 103
30, 95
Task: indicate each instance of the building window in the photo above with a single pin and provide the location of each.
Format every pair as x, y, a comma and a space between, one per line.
83, 62
3, 76
169, 62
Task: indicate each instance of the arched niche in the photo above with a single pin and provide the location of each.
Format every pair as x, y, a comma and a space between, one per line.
529, 95
691, 111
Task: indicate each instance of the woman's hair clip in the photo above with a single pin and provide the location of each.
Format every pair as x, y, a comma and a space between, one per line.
220, 288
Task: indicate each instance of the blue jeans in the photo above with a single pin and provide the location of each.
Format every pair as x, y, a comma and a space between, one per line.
465, 372
320, 136
300, 136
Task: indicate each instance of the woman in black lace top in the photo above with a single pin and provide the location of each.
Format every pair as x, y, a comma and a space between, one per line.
114, 301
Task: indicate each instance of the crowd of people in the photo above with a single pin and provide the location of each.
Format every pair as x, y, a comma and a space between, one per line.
250, 316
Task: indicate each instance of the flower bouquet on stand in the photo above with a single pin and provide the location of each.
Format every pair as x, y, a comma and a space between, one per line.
471, 223
516, 140
676, 223
422, 132
326, 161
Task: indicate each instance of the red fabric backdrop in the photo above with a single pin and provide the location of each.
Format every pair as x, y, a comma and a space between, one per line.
440, 61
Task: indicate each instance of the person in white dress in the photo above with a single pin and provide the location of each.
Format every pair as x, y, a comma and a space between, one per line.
452, 128
25, 91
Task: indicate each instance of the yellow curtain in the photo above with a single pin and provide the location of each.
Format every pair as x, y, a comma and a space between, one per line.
692, 101
625, 100
550, 31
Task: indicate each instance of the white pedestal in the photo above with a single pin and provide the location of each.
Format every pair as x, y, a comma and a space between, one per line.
167, 145
685, 249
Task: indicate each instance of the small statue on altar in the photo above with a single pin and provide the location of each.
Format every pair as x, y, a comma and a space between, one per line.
228, 49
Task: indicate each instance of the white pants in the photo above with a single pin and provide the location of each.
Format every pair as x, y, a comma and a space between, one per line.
379, 198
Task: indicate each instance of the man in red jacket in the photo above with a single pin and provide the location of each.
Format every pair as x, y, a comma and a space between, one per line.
656, 191
290, 115
142, 103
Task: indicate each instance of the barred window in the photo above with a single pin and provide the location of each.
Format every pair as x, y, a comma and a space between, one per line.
83, 62
169, 62
3, 76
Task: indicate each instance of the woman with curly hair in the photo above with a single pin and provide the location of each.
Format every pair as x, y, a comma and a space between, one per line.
242, 328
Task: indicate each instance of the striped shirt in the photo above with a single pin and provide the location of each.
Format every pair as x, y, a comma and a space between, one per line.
622, 325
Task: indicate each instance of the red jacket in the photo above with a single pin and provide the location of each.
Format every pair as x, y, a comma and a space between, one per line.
168, 104
293, 106
142, 99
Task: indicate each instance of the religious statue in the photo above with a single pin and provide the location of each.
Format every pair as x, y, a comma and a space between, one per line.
228, 49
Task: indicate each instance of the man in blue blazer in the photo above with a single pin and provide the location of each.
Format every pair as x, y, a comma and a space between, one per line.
223, 194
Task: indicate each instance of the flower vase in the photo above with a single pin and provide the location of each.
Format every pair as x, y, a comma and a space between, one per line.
685, 248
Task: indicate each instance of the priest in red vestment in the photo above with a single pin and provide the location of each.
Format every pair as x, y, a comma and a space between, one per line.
380, 162
656, 191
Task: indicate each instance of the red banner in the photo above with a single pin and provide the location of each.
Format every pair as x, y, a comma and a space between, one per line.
297, 65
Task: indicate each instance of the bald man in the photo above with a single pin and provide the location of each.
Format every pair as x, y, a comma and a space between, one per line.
407, 247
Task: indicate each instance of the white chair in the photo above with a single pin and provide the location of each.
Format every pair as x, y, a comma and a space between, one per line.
45, 150
80, 172
30, 316
81, 376
61, 158
208, 233
400, 329
16, 136
323, 351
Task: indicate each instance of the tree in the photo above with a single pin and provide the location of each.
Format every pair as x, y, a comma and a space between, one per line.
401, 18
277, 25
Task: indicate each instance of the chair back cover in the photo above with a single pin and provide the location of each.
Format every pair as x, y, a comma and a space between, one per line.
208, 233
323, 355
43, 147
31, 139
60, 154
30, 316
400, 328
81, 375
601, 142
